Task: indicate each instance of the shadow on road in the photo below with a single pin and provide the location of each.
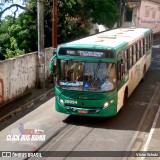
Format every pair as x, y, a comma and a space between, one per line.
24, 112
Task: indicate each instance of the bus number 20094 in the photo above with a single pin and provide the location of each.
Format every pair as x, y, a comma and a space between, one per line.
70, 101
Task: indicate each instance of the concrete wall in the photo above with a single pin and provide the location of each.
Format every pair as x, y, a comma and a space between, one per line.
151, 21
20, 74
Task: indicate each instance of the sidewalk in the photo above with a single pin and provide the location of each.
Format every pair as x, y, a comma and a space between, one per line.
31, 131
153, 145
25, 102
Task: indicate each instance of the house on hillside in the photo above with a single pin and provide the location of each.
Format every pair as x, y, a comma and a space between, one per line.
142, 13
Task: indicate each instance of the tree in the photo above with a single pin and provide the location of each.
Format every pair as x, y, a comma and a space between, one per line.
20, 32
13, 4
79, 15
75, 19
71, 24
13, 50
101, 12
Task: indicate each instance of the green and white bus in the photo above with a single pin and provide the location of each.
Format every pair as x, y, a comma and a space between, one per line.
95, 75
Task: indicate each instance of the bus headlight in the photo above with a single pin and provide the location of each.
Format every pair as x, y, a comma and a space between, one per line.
111, 101
61, 101
106, 105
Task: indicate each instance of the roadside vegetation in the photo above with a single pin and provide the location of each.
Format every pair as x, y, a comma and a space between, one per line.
18, 35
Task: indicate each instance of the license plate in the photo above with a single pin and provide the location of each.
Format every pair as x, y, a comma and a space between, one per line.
82, 111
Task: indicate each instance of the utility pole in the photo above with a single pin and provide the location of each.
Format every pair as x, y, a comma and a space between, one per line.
54, 34
54, 26
41, 53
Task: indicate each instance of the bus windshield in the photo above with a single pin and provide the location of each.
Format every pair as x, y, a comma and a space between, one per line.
86, 76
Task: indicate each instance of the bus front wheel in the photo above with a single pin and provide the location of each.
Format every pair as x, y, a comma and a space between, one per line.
125, 98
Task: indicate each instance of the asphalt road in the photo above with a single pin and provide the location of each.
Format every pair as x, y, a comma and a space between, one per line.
128, 131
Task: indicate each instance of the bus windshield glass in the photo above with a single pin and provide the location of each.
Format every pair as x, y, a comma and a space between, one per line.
86, 76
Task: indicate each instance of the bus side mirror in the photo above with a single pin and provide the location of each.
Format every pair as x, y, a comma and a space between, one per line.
52, 67
52, 64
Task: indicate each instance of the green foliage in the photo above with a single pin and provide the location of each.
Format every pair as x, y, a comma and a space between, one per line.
4, 41
10, 53
13, 50
102, 11
75, 19
19, 35
78, 16
71, 24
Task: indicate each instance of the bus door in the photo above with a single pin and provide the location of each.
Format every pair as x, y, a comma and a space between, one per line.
122, 78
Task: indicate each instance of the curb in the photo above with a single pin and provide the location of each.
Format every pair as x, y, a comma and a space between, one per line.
25, 106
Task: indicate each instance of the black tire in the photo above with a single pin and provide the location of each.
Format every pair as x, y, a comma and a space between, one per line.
144, 73
124, 99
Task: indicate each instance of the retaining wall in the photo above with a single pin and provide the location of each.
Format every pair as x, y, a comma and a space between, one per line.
20, 74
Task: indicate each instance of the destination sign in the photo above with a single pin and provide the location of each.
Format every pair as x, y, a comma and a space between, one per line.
86, 53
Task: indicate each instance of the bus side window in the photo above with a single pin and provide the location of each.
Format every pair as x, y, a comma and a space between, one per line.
137, 51
134, 53
128, 59
121, 66
131, 59
147, 43
151, 40
144, 46
140, 49
125, 60
119, 71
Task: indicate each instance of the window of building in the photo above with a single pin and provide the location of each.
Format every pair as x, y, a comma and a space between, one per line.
153, 13
147, 11
128, 15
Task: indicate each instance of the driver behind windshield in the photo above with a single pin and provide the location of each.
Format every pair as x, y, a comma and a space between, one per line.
108, 84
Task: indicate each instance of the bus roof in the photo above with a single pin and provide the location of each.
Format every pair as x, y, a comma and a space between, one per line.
116, 38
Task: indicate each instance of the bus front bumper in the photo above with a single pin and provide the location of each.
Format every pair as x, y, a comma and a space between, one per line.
97, 112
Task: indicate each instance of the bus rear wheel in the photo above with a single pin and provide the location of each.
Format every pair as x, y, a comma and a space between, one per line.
144, 73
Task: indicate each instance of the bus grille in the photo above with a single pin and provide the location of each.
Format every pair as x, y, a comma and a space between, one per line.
84, 95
